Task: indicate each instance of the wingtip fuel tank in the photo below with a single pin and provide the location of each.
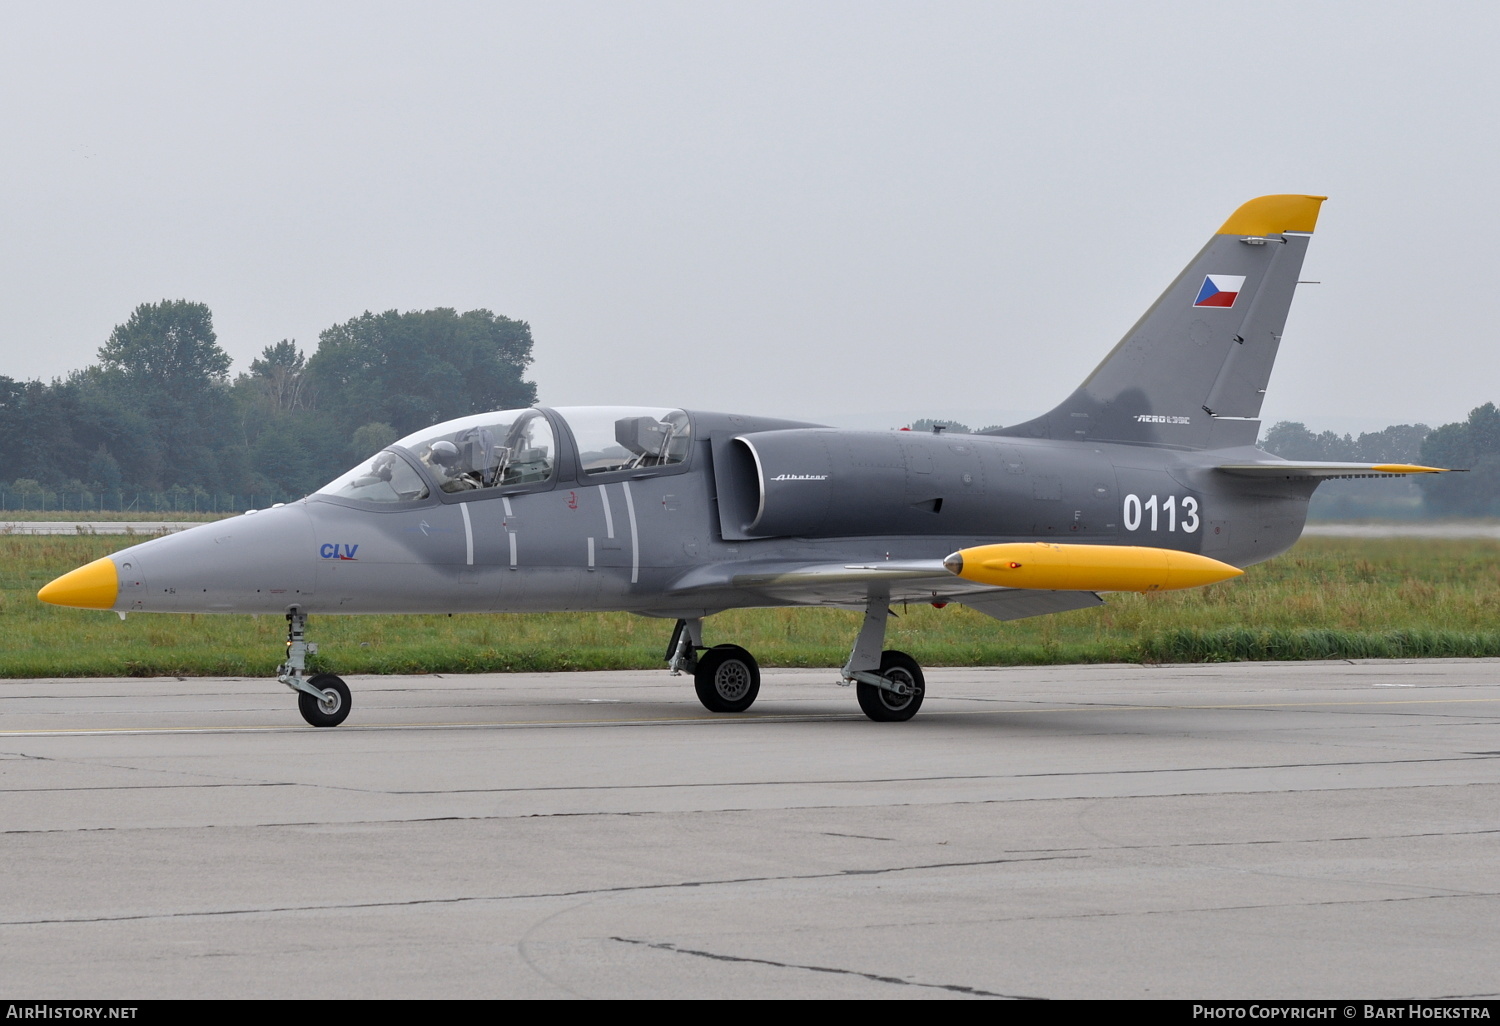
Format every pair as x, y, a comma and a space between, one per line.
1049, 567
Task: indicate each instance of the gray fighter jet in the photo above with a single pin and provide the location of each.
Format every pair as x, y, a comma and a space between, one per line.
1146, 477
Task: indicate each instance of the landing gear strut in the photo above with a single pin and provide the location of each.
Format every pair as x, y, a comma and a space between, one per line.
889, 684
323, 699
726, 677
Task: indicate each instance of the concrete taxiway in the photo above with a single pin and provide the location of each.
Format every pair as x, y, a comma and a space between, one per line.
148, 528
1244, 830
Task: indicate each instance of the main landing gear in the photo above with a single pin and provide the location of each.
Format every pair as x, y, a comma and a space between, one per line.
889, 685
323, 699
726, 677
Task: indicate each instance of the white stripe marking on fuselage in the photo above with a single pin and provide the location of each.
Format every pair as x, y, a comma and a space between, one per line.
609, 520
635, 541
463, 507
591, 553
510, 529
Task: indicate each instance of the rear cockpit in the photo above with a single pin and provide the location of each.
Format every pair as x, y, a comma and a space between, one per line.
617, 438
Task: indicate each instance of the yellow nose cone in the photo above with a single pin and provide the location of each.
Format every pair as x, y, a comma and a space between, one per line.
95, 586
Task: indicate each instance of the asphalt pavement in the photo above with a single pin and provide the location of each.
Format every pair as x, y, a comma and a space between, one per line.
1244, 830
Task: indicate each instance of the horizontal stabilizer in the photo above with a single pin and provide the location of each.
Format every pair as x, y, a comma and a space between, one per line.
1319, 470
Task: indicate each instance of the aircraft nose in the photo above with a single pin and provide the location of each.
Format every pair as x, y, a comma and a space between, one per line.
95, 585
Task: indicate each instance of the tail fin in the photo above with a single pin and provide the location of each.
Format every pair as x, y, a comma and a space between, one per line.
1192, 372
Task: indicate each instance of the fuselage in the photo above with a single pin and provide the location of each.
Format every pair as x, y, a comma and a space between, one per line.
576, 532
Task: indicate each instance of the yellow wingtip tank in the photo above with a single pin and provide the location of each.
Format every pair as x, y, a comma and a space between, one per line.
1048, 567
94, 585
1272, 215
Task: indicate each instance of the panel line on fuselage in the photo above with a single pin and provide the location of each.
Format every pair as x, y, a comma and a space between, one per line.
468, 533
635, 541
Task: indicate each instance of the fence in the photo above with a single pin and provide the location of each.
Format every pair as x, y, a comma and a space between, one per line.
138, 502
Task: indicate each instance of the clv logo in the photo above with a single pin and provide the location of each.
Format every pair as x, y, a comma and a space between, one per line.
332, 550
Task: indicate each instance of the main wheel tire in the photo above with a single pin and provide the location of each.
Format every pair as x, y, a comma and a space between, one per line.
727, 679
333, 709
885, 706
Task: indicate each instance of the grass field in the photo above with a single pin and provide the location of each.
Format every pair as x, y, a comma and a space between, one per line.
1326, 598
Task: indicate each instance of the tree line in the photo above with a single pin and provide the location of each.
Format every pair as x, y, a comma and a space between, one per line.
159, 411
1472, 445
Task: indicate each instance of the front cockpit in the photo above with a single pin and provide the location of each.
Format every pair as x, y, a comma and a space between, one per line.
497, 450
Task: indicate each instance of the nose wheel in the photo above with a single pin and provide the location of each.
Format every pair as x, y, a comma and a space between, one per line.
329, 710
322, 699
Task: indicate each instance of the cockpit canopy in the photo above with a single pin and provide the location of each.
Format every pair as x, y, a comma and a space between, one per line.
614, 438
491, 450
513, 448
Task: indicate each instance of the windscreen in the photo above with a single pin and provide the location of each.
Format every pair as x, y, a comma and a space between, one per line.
384, 477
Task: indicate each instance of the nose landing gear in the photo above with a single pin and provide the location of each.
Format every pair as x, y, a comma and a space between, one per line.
323, 699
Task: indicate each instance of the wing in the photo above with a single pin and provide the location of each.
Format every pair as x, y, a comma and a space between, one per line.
850, 584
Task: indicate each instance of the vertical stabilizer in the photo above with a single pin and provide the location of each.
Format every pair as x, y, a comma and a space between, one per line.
1192, 373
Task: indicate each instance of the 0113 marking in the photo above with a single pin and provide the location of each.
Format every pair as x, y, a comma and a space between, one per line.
1167, 508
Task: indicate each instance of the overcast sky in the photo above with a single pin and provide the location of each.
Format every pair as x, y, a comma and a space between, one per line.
853, 212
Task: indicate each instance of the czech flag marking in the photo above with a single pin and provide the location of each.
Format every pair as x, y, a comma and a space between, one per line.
1220, 290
